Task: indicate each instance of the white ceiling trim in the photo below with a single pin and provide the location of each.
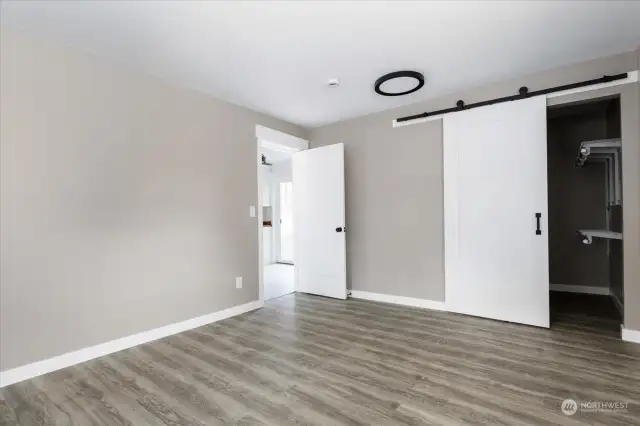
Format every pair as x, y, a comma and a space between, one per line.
632, 77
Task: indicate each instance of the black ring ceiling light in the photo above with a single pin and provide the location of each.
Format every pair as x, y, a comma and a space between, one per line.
399, 74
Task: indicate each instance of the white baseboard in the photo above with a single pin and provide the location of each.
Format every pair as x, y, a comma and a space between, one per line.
618, 303
630, 335
580, 289
39, 368
399, 300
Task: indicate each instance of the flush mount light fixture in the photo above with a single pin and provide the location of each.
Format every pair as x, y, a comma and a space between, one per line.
404, 75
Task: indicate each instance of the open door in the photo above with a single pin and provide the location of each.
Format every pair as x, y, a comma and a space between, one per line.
319, 249
495, 200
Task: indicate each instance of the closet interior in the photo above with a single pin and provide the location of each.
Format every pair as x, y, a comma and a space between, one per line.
585, 212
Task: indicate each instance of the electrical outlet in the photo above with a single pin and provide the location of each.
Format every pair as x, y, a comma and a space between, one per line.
252, 211
238, 282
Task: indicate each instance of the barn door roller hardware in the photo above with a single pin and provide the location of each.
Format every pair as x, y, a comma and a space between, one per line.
522, 93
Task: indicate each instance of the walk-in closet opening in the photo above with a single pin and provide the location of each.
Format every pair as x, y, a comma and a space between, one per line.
584, 150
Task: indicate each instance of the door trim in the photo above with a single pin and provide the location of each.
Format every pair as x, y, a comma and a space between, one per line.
277, 228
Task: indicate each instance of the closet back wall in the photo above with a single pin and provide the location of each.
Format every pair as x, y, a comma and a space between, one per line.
616, 261
394, 181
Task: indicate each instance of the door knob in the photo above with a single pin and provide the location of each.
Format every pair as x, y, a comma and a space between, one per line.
339, 229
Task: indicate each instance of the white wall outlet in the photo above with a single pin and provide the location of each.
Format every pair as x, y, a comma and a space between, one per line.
252, 211
238, 282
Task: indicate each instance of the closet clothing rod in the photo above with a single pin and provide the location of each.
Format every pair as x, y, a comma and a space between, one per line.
523, 93
588, 235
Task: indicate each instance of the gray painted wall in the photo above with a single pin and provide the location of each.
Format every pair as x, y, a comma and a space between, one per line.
124, 202
395, 243
577, 198
631, 223
374, 150
616, 265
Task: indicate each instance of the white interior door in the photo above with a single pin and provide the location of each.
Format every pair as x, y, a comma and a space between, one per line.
495, 182
319, 249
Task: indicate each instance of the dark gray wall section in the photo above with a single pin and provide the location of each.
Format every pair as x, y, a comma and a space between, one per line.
577, 200
630, 132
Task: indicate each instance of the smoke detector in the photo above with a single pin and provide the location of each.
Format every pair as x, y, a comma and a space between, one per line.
333, 82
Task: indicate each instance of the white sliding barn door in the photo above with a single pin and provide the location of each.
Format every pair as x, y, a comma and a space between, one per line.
495, 182
319, 249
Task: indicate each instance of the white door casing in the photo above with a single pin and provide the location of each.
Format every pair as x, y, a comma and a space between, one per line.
319, 221
495, 181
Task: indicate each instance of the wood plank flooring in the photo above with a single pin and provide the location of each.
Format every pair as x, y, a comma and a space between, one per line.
315, 361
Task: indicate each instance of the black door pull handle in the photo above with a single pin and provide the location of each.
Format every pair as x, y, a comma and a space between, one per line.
339, 229
538, 216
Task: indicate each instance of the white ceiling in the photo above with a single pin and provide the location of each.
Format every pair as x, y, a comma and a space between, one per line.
276, 57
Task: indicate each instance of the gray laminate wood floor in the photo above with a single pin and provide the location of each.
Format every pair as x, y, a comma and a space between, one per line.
310, 360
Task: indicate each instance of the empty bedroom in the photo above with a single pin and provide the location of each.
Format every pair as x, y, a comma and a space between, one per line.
319, 213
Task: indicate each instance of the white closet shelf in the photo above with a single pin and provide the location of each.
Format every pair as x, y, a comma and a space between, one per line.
597, 149
605, 151
588, 235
